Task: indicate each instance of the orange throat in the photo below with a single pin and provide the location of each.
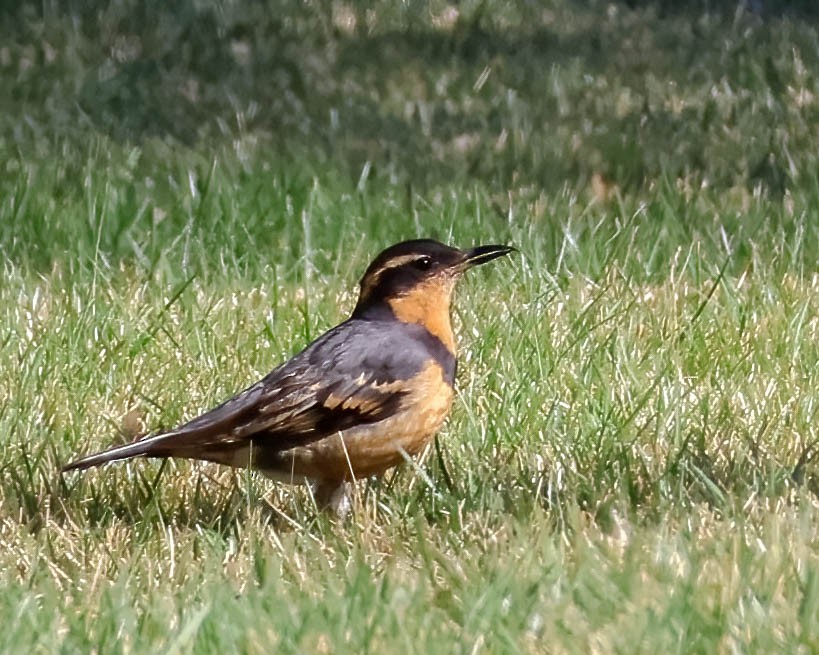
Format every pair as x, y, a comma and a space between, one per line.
428, 305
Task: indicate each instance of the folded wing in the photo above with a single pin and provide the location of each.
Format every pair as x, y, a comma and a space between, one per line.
352, 375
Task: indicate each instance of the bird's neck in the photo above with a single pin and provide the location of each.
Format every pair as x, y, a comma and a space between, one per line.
428, 310
431, 313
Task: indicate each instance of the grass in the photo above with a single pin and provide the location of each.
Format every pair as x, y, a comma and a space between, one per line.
189, 196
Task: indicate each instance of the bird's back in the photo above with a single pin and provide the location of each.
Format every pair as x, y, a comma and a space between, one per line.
383, 388
348, 390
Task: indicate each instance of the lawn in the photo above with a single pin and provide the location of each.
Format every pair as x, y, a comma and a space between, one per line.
189, 196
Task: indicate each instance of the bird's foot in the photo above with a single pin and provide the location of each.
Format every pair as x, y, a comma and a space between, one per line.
334, 496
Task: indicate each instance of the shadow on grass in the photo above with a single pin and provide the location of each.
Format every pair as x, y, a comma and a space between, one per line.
510, 96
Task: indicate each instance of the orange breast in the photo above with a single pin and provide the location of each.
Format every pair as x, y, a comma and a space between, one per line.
373, 448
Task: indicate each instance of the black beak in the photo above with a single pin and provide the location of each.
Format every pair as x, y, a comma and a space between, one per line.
483, 254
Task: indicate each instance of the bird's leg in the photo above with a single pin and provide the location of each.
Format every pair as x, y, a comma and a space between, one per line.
334, 496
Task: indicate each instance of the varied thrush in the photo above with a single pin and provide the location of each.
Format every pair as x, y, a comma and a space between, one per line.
358, 400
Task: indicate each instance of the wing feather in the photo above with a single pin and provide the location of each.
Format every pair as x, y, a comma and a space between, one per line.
359, 372
351, 375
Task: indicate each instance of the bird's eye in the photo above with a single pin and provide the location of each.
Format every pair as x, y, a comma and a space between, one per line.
423, 263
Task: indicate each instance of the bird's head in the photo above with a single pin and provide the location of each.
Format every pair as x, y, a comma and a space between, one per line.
413, 281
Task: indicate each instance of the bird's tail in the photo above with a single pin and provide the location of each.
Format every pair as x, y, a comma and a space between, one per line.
155, 446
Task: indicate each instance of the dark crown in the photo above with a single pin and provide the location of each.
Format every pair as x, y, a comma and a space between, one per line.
415, 249
401, 267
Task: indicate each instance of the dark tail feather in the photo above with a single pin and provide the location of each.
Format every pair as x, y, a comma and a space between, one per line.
149, 447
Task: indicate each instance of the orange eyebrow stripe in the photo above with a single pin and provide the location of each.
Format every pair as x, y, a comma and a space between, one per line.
369, 283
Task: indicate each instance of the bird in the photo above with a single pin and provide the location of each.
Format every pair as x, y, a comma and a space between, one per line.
359, 400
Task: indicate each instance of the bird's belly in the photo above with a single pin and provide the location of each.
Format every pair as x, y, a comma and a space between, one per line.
370, 449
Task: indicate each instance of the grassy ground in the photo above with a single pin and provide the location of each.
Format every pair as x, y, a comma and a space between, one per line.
189, 197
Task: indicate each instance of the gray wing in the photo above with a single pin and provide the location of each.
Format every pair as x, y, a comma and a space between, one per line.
357, 373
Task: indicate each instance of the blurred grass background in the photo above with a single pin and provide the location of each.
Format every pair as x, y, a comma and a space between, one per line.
160, 102
188, 195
